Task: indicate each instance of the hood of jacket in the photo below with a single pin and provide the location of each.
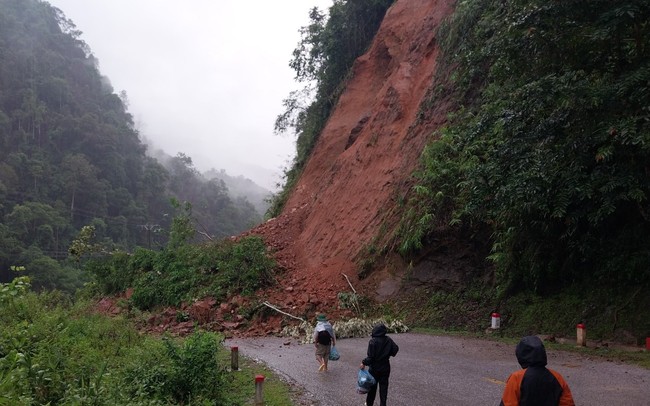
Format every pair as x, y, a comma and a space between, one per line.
379, 331
531, 352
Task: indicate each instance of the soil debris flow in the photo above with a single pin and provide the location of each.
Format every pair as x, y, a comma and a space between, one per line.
368, 148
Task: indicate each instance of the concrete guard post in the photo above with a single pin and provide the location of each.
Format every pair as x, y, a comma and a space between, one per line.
581, 335
496, 321
234, 358
259, 397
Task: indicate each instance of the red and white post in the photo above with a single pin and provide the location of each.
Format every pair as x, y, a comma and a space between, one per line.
496, 321
581, 335
259, 396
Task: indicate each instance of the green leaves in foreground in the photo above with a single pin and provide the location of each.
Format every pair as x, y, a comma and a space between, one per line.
53, 352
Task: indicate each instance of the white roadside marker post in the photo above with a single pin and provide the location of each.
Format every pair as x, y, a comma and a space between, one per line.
259, 397
496, 321
581, 335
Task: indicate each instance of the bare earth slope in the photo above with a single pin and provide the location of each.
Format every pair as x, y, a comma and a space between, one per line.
361, 162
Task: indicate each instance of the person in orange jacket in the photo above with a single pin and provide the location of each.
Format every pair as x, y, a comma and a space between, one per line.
535, 385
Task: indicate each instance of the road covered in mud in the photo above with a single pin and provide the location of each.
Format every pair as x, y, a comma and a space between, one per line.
440, 370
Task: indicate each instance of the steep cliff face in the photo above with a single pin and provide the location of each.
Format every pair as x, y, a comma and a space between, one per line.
362, 161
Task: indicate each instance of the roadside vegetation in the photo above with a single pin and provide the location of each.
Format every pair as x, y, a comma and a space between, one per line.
545, 157
609, 317
56, 350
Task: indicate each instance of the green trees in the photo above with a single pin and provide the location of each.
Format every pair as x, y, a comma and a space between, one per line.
322, 59
550, 144
71, 156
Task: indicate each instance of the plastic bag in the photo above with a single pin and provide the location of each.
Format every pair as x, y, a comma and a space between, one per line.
365, 381
334, 354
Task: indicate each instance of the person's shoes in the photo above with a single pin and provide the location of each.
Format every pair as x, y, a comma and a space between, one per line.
322, 367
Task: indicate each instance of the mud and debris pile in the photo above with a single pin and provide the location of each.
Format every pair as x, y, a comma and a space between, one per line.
359, 167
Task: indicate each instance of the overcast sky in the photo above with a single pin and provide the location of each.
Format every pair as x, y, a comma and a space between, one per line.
203, 77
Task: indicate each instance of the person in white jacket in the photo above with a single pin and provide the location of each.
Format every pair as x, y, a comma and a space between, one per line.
323, 338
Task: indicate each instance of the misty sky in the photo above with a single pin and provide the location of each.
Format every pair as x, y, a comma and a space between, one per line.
203, 77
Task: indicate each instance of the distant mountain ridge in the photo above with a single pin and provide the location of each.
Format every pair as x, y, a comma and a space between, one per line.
240, 186
72, 157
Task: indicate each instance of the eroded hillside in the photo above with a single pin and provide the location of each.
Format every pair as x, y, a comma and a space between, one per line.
360, 165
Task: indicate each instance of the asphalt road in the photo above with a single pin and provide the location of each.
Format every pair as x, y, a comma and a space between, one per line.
438, 370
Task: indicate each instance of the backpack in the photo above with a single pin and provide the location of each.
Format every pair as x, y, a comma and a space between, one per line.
324, 337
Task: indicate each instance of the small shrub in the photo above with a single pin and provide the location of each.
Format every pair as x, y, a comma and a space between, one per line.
111, 272
178, 372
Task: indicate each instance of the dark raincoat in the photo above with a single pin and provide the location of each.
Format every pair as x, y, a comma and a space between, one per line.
380, 349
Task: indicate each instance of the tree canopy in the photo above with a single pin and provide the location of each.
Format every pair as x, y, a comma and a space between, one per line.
328, 47
71, 155
550, 143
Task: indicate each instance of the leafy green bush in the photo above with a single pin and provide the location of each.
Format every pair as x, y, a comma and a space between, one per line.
182, 373
112, 272
55, 352
550, 142
186, 272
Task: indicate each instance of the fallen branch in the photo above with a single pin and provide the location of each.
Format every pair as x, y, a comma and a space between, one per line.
355, 297
267, 304
206, 235
348, 279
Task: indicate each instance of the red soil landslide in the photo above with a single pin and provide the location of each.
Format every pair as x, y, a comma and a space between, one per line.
360, 164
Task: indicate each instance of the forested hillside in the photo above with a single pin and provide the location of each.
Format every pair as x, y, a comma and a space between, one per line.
549, 147
243, 188
72, 157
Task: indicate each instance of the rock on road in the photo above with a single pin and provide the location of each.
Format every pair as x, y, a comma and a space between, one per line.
440, 370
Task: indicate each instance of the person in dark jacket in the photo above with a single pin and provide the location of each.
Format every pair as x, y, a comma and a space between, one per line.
380, 349
535, 385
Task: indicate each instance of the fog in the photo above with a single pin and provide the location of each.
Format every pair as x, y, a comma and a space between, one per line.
203, 77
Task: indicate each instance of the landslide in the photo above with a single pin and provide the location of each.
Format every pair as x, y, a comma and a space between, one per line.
359, 168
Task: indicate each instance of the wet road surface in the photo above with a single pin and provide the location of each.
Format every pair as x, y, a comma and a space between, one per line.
439, 370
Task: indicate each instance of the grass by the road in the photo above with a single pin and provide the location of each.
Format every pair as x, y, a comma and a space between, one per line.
277, 392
